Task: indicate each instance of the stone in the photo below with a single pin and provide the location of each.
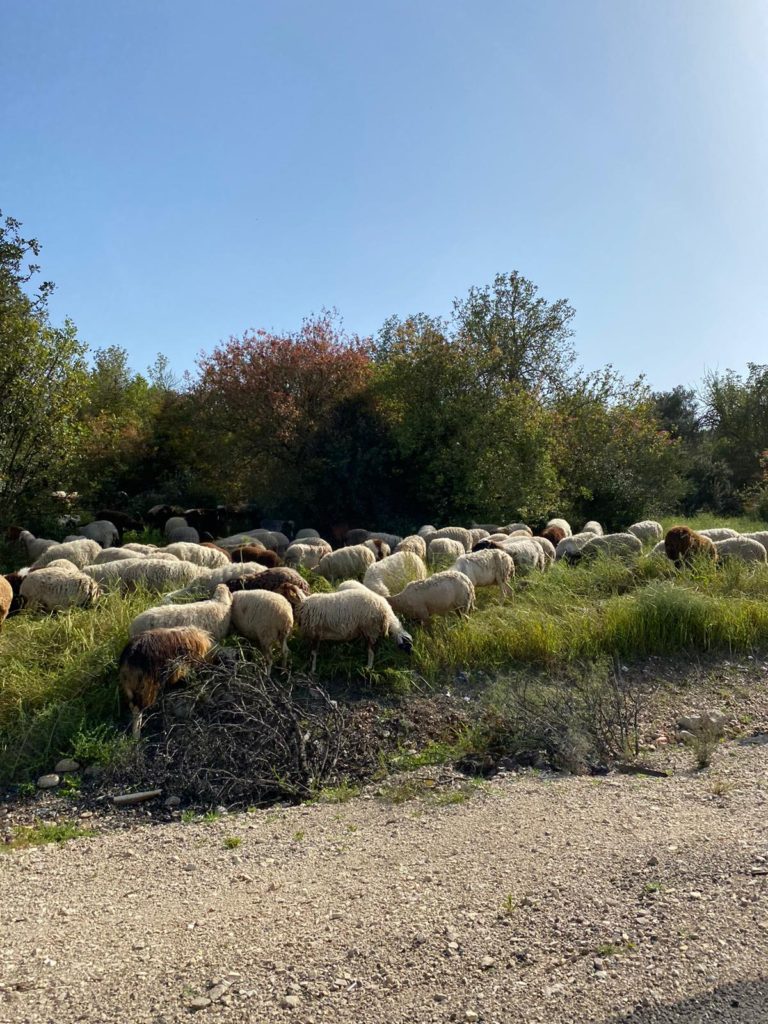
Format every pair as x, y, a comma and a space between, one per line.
172, 801
290, 1002
66, 764
199, 1004
48, 781
487, 962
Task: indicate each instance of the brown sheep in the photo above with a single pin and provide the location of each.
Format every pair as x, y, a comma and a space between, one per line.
554, 534
283, 581
156, 659
215, 547
682, 543
6, 599
256, 553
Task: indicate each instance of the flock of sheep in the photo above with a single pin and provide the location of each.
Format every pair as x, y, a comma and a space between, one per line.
249, 583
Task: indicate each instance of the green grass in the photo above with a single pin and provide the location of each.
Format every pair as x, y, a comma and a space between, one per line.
43, 833
231, 842
340, 794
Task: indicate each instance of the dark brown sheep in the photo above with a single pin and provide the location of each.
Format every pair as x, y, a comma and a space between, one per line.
682, 543
158, 515
274, 580
216, 547
207, 520
14, 579
156, 659
554, 534
257, 553
353, 537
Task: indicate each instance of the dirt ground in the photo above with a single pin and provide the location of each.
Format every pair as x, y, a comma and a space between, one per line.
531, 897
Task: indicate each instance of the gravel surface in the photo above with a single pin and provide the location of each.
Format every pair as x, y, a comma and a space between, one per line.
537, 898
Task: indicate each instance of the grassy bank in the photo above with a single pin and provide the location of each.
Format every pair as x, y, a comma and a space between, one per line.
59, 681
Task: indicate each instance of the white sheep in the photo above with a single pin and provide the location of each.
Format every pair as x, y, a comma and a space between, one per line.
524, 527
302, 534
415, 544
346, 563
183, 535
314, 542
487, 568
477, 533
569, 547
761, 536
306, 555
716, 533
547, 549
390, 539
211, 616
442, 593
392, 573
57, 587
425, 531
525, 553
205, 584
210, 558
658, 550
142, 549
174, 523
264, 618
35, 545
350, 613
115, 555
105, 534
619, 545
563, 524
80, 552
380, 548
152, 573
648, 530
743, 548
444, 551
464, 537
593, 527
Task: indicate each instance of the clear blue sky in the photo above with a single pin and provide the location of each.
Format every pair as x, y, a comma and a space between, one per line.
197, 168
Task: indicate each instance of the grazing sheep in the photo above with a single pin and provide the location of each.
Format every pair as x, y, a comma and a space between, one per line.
525, 553
425, 531
303, 534
593, 527
488, 527
554, 534
379, 548
349, 614
355, 536
157, 659
464, 537
142, 549
315, 542
392, 573
80, 552
158, 515
35, 545
213, 616
742, 548
761, 536
390, 539
719, 533
657, 549
444, 551
175, 523
283, 581
154, 574
305, 555
445, 592
477, 533
569, 547
266, 619
205, 584
251, 553
489, 568
207, 520
548, 550
183, 535
14, 580
415, 544
56, 587
346, 563
115, 555
7, 597
105, 534
563, 524
521, 528
682, 544
210, 558
648, 530
619, 545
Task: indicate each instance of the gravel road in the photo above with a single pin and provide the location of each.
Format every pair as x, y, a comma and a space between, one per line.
538, 898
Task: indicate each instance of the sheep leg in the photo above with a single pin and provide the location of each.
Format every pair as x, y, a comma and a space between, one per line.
135, 722
313, 662
369, 666
285, 652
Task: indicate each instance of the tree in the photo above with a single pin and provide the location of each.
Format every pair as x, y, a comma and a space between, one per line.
42, 375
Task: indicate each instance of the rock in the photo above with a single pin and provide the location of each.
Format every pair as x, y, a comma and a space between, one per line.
471, 1015
652, 862
215, 993
66, 764
199, 1004
172, 801
554, 990
711, 721
290, 1002
48, 781
487, 962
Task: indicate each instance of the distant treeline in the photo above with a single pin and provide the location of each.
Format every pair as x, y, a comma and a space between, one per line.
482, 415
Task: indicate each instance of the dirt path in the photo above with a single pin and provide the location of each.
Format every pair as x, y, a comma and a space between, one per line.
537, 899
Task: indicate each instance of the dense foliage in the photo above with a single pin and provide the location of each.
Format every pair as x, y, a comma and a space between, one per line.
481, 415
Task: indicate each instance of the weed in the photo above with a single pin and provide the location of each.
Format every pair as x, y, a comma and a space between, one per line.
704, 743
70, 786
43, 833
651, 887
206, 817
721, 787
509, 905
231, 842
297, 836
337, 794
